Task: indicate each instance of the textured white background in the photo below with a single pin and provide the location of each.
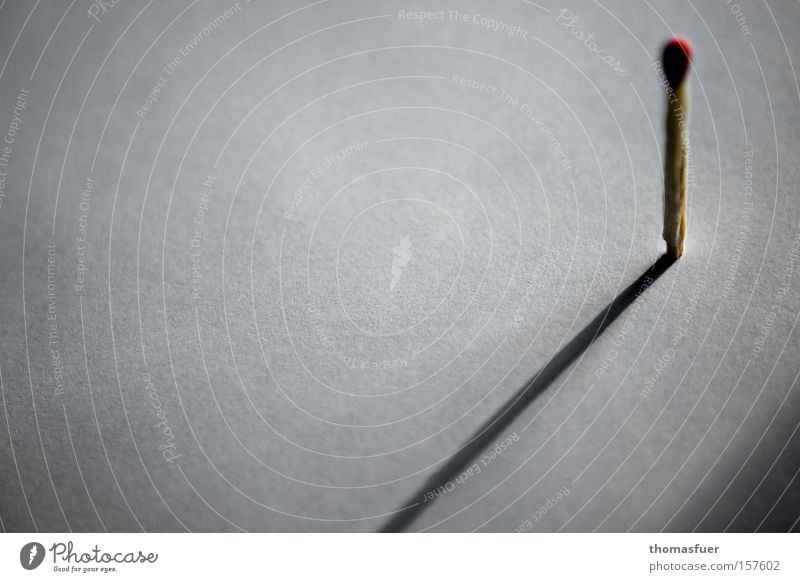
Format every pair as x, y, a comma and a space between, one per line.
524, 218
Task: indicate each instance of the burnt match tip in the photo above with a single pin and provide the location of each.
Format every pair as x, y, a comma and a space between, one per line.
676, 58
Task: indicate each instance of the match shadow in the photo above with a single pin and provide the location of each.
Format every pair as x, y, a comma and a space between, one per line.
501, 419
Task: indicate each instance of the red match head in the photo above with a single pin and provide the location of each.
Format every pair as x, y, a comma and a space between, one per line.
676, 58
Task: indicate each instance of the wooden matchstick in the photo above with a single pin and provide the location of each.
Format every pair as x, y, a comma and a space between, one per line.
675, 60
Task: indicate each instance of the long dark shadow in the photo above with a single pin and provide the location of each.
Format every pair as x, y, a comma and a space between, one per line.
501, 419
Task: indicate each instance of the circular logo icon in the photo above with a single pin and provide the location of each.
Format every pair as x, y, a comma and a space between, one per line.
31, 555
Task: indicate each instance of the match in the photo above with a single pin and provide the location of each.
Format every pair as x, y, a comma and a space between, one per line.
676, 58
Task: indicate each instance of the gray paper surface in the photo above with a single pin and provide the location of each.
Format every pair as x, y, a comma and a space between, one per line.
352, 266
